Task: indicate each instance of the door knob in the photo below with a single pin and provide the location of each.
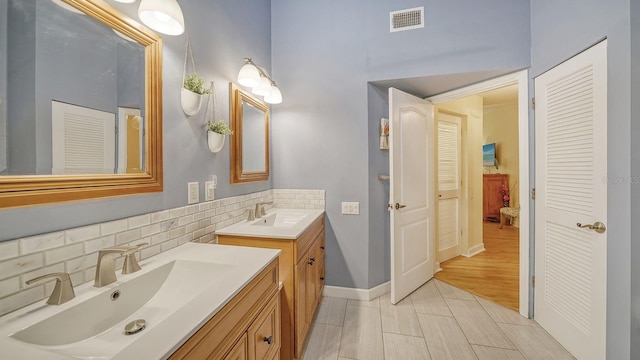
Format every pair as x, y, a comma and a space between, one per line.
398, 206
597, 226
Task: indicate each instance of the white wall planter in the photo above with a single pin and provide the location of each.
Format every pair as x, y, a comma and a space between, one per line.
215, 141
190, 101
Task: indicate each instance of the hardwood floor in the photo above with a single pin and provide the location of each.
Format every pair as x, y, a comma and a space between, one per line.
492, 274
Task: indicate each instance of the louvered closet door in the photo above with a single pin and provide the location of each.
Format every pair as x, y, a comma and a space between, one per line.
83, 140
448, 201
571, 189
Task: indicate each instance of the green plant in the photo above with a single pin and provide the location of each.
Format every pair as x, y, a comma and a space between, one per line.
195, 84
219, 127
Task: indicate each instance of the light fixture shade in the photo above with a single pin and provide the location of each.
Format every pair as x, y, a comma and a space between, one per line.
264, 88
249, 76
126, 1
164, 16
275, 97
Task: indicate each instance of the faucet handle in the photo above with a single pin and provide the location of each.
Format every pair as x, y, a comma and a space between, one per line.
252, 215
62, 292
130, 262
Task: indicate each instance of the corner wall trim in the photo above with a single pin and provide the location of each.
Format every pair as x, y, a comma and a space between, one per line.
475, 250
357, 294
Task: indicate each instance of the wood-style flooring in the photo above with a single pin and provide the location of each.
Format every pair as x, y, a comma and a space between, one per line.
494, 273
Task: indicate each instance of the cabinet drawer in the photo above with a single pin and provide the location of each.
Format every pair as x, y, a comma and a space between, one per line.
239, 351
305, 240
264, 333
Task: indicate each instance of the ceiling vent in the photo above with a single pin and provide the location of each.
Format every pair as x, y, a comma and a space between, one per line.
407, 19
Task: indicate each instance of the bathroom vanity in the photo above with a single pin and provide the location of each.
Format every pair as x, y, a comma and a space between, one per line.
299, 235
198, 301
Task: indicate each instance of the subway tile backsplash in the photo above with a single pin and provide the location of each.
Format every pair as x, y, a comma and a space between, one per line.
75, 250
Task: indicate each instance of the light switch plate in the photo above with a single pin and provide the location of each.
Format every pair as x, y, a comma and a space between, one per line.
350, 208
193, 192
209, 190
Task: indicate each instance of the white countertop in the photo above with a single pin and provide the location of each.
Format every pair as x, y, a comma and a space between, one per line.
288, 230
159, 340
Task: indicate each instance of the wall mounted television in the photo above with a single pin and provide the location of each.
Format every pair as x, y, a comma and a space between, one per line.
489, 154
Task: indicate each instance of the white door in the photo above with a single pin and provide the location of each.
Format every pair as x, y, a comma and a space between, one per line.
571, 168
83, 140
411, 153
448, 202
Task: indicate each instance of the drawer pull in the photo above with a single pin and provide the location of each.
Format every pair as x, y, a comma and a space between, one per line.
322, 247
322, 278
268, 340
312, 261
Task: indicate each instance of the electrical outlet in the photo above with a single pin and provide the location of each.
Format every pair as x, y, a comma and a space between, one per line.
209, 190
193, 192
350, 208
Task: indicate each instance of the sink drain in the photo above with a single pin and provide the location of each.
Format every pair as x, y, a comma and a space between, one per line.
135, 327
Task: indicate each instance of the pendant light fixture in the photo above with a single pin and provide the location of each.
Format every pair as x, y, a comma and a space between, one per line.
261, 84
164, 16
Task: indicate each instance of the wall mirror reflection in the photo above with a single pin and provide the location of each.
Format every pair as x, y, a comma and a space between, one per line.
79, 102
250, 139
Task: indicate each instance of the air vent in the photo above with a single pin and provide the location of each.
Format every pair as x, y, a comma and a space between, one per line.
407, 19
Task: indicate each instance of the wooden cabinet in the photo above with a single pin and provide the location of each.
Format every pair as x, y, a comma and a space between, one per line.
246, 328
302, 274
492, 195
239, 350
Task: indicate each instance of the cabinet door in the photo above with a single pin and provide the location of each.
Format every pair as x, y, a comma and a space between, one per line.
264, 333
239, 350
492, 195
320, 268
301, 302
312, 280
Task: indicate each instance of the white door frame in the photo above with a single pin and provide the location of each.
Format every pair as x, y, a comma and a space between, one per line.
520, 78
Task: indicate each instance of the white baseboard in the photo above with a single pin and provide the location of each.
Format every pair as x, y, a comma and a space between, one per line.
357, 294
474, 250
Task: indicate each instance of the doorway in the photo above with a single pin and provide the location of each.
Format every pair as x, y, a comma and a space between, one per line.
488, 265
476, 234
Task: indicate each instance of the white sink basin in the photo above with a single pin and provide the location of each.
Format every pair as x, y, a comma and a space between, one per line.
150, 296
277, 224
281, 219
176, 292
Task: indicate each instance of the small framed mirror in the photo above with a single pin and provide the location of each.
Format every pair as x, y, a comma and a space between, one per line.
250, 139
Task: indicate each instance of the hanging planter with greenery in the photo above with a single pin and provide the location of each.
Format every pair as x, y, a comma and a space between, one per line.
192, 86
217, 130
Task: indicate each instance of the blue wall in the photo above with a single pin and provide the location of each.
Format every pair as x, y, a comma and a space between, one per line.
324, 54
222, 34
559, 30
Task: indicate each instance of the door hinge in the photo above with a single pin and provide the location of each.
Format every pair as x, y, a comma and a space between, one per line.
533, 102
533, 193
116, 130
533, 281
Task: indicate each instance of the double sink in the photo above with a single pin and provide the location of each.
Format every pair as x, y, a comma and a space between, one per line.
173, 295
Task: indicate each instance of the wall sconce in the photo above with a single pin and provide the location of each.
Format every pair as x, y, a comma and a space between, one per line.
261, 84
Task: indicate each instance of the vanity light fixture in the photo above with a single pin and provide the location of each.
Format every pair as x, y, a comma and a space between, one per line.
261, 84
125, 1
164, 16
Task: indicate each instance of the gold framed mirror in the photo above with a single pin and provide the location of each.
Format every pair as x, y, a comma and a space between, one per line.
47, 184
250, 139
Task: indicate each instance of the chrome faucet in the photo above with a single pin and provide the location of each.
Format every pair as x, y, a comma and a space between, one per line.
62, 292
106, 266
260, 212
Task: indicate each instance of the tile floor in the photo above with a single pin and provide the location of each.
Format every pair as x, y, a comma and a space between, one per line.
436, 322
